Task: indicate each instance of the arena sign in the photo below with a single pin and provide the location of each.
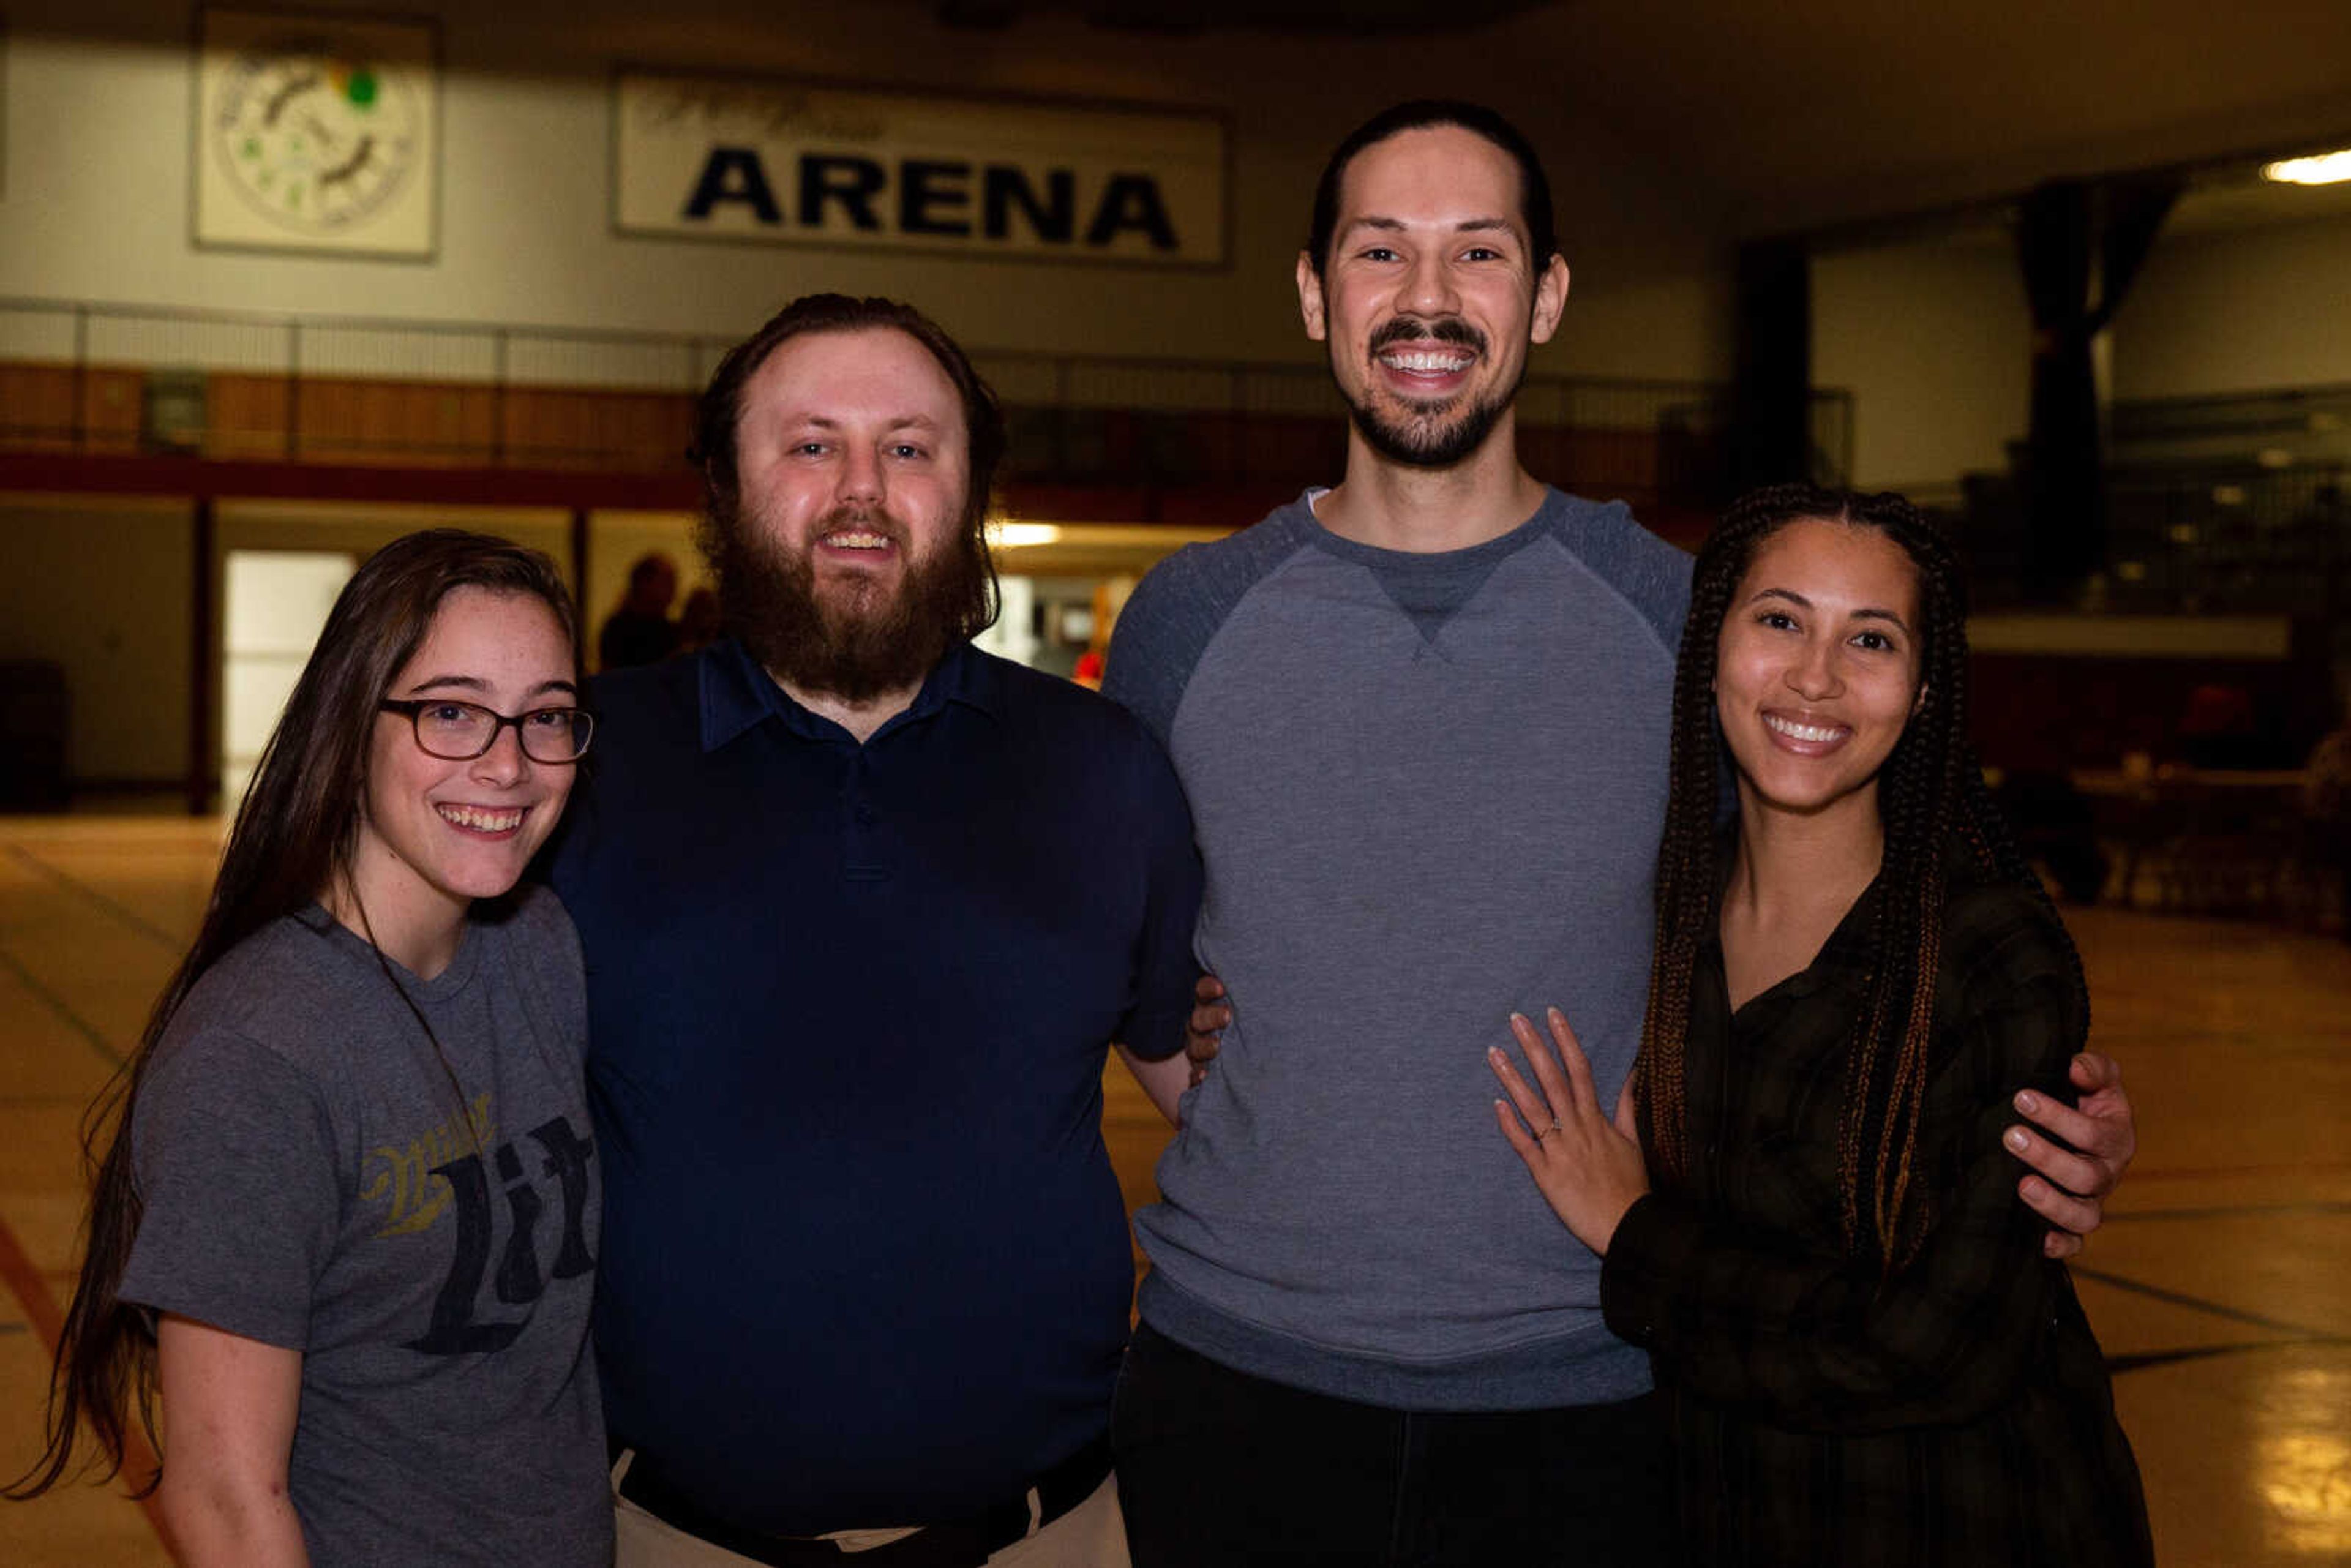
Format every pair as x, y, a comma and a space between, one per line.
790, 163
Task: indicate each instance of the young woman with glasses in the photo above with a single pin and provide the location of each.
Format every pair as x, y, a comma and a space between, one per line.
346, 1227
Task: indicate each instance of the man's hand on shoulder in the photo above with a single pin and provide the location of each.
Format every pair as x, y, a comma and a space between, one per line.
2077, 1152
1204, 1032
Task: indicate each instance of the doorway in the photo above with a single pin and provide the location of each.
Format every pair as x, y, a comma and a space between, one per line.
273, 605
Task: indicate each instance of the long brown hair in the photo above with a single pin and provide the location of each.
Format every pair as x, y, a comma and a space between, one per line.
1931, 799
294, 838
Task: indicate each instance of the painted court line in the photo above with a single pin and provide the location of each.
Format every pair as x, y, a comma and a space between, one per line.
2198, 1303
119, 911
2118, 1364
32, 1293
22, 1280
58, 1005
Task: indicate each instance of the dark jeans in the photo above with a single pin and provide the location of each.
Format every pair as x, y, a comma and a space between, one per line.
1216, 1467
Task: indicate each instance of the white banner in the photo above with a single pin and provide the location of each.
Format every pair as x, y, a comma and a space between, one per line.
790, 164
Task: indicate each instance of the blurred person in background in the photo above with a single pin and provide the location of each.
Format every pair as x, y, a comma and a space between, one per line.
639, 630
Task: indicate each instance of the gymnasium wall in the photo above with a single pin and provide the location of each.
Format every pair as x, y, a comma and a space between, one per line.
96, 197
2246, 310
1934, 339
95, 204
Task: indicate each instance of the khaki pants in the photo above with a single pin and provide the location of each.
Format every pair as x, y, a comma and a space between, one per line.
1090, 1535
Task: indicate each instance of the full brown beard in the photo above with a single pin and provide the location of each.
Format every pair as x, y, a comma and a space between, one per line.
858, 640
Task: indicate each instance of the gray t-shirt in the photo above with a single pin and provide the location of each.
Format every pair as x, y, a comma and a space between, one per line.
310, 1182
1428, 790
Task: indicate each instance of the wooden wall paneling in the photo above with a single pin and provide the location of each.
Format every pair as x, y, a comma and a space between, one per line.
244, 416
110, 409
36, 411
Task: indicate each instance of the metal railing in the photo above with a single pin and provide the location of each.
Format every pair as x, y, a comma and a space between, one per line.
2230, 538
89, 377
2232, 504
83, 332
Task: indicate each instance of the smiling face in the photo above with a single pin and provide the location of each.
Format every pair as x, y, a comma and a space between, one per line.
1817, 666
853, 565
851, 451
1430, 295
436, 834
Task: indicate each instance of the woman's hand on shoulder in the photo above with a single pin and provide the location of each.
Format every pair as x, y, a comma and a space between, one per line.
1588, 1167
2067, 1185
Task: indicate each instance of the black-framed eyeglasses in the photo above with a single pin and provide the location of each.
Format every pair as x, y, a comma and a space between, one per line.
460, 731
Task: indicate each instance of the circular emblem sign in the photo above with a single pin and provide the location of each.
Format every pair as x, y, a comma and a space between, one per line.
315, 134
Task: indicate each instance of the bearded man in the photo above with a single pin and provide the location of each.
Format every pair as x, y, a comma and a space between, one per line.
861, 906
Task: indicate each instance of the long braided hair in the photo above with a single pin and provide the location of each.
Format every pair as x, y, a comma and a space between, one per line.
1931, 799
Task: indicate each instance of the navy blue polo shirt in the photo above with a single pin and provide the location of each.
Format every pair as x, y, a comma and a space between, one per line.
866, 1262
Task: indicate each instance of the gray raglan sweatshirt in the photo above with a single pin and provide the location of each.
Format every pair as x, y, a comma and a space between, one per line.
1428, 791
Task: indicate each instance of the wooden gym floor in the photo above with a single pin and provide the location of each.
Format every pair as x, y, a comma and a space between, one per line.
2220, 1289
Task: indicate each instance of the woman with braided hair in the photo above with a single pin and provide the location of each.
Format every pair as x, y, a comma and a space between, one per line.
1868, 1358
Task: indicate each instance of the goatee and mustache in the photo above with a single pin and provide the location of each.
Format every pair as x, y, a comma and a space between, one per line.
856, 638
1428, 438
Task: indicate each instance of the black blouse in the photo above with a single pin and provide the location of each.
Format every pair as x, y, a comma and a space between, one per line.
1958, 1412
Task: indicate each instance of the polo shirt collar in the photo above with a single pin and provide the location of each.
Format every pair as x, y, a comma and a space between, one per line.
738, 693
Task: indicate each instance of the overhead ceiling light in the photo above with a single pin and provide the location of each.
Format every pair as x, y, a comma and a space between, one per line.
2320, 169
1012, 536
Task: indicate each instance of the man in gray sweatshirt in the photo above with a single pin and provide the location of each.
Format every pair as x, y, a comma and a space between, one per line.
1422, 721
